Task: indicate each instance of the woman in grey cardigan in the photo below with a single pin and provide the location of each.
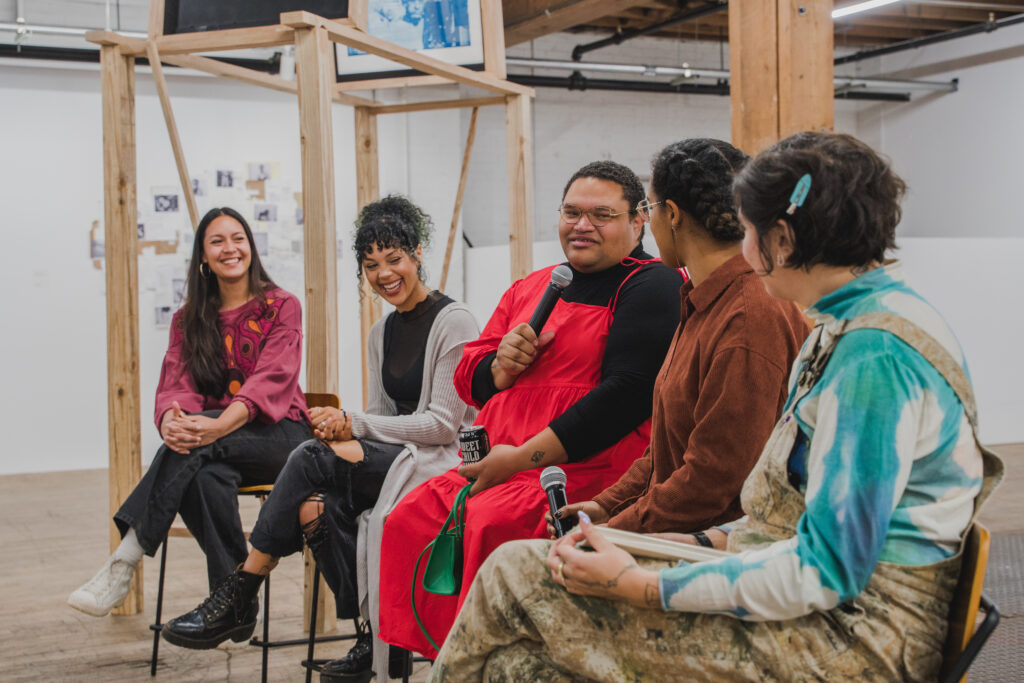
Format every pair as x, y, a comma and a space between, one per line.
346, 480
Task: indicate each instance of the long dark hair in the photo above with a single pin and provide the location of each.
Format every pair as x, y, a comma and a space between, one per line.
200, 314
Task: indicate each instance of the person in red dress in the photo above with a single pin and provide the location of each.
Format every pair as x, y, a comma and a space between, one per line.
578, 395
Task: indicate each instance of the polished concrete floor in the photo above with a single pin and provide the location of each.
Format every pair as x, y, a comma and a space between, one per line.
54, 527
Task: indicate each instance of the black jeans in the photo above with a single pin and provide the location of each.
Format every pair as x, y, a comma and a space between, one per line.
203, 486
347, 488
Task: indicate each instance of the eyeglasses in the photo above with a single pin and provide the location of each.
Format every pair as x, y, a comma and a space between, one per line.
644, 208
597, 217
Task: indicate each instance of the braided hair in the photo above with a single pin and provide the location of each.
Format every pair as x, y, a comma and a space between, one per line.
393, 222
697, 175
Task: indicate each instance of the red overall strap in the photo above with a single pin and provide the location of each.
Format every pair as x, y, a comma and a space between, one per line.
630, 261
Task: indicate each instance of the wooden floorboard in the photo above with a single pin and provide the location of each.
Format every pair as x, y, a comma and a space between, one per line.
54, 528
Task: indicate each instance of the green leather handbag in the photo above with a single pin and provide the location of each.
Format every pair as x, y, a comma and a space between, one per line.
443, 573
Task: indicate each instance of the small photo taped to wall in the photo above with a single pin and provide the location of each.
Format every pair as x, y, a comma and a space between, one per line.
165, 203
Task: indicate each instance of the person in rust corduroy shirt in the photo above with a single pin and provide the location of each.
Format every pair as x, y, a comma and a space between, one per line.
716, 399
723, 383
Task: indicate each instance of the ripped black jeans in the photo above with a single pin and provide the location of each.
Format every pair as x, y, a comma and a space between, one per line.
203, 484
347, 489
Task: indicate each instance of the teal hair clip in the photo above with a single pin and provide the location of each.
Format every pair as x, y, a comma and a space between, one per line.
799, 196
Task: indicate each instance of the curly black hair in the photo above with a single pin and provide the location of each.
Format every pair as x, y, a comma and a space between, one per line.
697, 175
393, 222
623, 176
850, 215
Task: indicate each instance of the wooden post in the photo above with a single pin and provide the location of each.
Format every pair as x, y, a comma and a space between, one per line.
156, 18
780, 70
172, 132
458, 197
494, 37
806, 90
122, 265
314, 66
519, 161
367, 190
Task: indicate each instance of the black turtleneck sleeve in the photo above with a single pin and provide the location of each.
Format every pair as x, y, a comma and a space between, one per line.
645, 319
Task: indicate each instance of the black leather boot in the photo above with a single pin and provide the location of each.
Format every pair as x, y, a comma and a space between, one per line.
229, 612
354, 667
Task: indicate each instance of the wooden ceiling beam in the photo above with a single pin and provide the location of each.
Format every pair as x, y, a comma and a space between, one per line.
557, 17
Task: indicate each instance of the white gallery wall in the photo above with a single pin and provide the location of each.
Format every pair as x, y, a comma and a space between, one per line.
961, 234
54, 406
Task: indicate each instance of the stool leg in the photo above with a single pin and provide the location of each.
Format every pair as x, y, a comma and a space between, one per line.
159, 609
312, 623
266, 625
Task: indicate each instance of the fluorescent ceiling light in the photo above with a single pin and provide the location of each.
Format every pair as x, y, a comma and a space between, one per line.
860, 7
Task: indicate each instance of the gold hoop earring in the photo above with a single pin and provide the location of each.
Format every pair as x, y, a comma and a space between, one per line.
779, 260
205, 273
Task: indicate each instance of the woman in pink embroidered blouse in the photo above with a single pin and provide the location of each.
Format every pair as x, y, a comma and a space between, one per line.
228, 407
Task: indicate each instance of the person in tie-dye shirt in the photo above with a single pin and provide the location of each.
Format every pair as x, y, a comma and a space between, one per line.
848, 556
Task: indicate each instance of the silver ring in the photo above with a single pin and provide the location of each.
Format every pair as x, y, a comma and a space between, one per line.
561, 576
323, 424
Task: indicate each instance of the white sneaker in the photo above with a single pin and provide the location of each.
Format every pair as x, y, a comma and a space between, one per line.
105, 591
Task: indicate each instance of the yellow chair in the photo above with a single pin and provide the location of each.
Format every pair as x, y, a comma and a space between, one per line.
965, 637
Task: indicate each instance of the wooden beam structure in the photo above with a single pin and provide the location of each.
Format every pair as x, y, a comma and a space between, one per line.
493, 29
806, 100
314, 67
172, 133
216, 67
780, 70
398, 82
156, 19
519, 164
352, 37
315, 88
536, 19
120, 202
457, 211
367, 190
474, 102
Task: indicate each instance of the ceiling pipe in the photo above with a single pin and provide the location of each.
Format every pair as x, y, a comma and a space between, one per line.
688, 72
984, 27
60, 30
617, 38
961, 4
578, 81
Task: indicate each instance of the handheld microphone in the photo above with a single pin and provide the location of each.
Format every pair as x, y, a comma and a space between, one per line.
560, 279
552, 480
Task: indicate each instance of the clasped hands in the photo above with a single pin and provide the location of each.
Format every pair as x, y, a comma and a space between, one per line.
182, 432
331, 424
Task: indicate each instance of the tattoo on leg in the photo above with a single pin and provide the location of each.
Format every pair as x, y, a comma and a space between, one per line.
537, 456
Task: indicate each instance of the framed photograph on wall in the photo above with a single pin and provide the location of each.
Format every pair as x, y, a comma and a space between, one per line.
449, 30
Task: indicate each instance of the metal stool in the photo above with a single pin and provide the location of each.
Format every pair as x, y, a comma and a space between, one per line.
261, 492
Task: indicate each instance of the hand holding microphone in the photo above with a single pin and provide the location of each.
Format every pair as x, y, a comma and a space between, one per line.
519, 348
567, 515
561, 516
